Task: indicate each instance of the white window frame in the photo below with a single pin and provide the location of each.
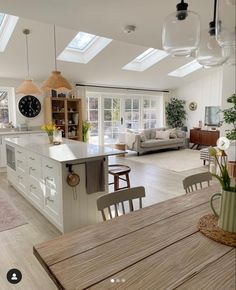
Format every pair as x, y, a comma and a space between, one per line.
11, 104
6, 29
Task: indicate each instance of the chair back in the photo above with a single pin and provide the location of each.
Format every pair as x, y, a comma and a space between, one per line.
195, 182
114, 199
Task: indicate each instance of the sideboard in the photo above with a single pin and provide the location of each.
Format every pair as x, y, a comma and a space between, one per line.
203, 137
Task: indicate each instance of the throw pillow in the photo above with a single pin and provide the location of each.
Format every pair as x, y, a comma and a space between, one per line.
142, 136
173, 133
165, 135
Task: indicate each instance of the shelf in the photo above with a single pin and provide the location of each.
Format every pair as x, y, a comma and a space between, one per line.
73, 124
57, 112
73, 112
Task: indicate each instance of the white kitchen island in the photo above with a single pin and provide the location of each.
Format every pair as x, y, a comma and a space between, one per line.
38, 170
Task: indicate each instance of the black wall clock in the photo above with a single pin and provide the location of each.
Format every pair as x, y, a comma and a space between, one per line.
29, 106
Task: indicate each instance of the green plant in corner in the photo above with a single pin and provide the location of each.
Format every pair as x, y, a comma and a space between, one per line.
175, 113
229, 117
85, 128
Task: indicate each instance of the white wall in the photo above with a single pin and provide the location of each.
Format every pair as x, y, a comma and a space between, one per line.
20, 119
229, 88
206, 91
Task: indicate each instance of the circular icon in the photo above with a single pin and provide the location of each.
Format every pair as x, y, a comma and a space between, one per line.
14, 276
223, 143
193, 106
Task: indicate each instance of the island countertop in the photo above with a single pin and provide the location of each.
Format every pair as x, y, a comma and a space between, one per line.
68, 151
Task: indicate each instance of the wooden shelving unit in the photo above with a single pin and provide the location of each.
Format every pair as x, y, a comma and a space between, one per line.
66, 114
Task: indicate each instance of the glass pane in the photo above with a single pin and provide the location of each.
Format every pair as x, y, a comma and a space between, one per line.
2, 15
128, 125
153, 116
4, 117
116, 104
135, 116
107, 103
146, 125
135, 104
135, 125
146, 115
93, 116
153, 124
153, 103
128, 115
82, 41
107, 115
94, 128
146, 103
128, 104
93, 103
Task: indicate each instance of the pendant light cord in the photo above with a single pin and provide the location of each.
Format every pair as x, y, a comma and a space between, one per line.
27, 32
214, 16
55, 47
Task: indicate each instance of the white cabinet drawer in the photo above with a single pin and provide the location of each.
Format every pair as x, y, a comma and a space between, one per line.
34, 165
36, 191
50, 170
21, 159
53, 204
22, 183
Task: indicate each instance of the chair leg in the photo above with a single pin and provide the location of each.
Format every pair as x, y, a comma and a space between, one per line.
127, 180
116, 182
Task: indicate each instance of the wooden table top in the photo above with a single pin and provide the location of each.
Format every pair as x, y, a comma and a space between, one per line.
157, 247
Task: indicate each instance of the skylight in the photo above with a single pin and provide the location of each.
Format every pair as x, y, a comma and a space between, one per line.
2, 15
185, 69
82, 41
83, 48
7, 25
146, 59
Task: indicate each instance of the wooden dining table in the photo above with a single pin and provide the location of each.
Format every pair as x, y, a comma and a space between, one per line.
158, 247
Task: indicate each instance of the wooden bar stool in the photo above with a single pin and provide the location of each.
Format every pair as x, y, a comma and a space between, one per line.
118, 170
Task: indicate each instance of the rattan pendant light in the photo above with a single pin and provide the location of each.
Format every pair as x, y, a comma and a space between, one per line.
27, 87
56, 81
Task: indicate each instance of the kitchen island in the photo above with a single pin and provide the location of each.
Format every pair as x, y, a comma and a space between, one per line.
39, 171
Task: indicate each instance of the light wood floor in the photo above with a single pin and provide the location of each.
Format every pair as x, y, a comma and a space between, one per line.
16, 244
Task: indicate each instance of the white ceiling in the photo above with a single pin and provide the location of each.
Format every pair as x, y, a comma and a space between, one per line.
103, 18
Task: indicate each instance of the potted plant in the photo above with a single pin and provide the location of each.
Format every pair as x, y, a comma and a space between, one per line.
227, 215
175, 113
229, 117
85, 129
49, 129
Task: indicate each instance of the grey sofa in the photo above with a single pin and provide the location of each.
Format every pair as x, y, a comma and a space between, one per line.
146, 141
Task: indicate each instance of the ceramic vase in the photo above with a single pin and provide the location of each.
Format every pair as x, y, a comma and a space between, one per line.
227, 215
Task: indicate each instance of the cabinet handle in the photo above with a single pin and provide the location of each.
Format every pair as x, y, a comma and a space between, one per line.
20, 177
19, 161
50, 167
31, 158
31, 168
49, 178
18, 151
32, 186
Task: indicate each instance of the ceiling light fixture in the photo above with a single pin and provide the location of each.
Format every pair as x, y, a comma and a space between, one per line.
181, 31
226, 28
56, 81
27, 87
209, 53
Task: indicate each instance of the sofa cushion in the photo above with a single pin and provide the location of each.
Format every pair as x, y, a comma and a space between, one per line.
163, 135
155, 143
143, 136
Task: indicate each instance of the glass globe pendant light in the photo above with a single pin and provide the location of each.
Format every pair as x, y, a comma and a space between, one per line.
181, 31
209, 53
226, 28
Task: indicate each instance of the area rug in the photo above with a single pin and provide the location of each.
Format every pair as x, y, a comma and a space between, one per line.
174, 160
9, 216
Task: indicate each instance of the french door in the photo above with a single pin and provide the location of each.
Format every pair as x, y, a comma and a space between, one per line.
111, 115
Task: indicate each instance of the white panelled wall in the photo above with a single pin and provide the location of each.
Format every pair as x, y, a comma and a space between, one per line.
206, 91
